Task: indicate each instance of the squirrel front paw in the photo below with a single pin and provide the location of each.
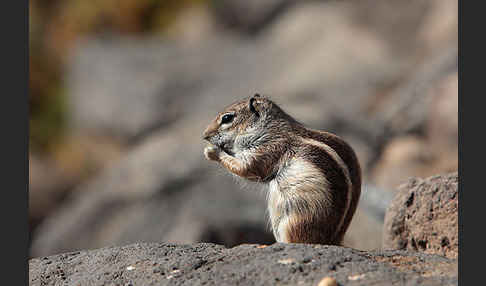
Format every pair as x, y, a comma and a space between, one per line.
211, 152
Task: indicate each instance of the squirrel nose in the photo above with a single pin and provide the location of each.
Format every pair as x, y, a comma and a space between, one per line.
206, 136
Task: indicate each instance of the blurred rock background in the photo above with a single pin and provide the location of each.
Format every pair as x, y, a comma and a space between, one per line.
120, 92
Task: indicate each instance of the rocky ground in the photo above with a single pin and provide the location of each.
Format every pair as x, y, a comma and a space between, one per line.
247, 264
131, 169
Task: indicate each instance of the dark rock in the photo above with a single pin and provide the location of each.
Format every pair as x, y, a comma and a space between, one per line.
423, 216
210, 264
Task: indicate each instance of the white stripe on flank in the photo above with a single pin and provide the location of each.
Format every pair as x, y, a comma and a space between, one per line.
343, 167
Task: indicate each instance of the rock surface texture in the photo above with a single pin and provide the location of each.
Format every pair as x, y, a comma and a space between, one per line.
423, 216
211, 264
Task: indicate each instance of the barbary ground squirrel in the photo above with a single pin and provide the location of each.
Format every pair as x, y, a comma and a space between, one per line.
313, 177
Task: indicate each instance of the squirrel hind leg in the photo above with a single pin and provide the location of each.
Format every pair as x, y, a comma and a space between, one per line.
301, 229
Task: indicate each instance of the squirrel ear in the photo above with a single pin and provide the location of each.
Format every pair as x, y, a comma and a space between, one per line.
252, 104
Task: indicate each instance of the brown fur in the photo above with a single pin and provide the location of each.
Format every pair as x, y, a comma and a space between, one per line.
314, 177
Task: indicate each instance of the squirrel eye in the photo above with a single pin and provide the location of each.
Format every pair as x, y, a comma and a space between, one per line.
227, 118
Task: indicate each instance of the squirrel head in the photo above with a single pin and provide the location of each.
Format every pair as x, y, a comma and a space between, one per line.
238, 119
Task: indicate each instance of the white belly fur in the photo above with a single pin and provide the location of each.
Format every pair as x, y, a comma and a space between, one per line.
300, 188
